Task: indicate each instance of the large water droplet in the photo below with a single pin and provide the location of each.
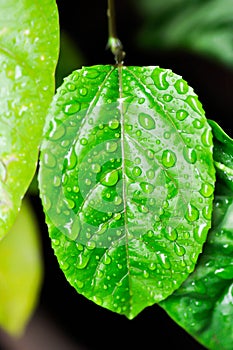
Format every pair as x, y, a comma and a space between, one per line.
181, 114
192, 213
206, 189
206, 138
111, 146
82, 261
71, 108
179, 250
190, 155
159, 76
110, 178
146, 121
147, 187
168, 158
200, 233
181, 86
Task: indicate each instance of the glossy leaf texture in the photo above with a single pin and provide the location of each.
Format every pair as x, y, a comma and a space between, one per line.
203, 305
29, 44
126, 180
21, 272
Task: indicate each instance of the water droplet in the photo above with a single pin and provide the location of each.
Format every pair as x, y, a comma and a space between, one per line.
91, 73
146, 274
167, 135
193, 102
141, 100
147, 187
198, 124
83, 141
91, 245
167, 98
111, 146
159, 76
206, 189
113, 124
206, 138
200, 233
150, 153
110, 178
96, 168
143, 209
181, 86
171, 234
181, 114
71, 159
82, 261
79, 284
83, 91
71, 108
136, 171
179, 250
70, 86
168, 158
106, 259
207, 212
49, 159
192, 213
164, 261
117, 200
190, 155
150, 174
146, 121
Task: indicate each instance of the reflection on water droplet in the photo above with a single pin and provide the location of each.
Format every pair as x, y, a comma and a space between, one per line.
159, 76
147, 187
83, 91
181, 114
71, 108
192, 213
171, 234
206, 189
106, 259
113, 124
82, 261
181, 86
164, 261
179, 250
206, 138
110, 178
200, 233
190, 155
111, 146
168, 158
146, 121
96, 168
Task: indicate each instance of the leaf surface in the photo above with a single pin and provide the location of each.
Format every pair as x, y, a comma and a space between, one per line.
126, 180
20, 272
28, 55
203, 305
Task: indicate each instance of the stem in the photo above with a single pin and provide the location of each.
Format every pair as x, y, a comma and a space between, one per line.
114, 42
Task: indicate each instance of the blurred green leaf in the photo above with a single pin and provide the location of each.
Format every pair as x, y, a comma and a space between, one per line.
203, 26
203, 305
29, 43
21, 272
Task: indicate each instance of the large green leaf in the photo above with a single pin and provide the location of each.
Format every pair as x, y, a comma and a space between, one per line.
126, 180
203, 305
20, 272
28, 55
201, 26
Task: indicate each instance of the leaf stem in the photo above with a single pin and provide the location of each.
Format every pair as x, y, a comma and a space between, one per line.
114, 42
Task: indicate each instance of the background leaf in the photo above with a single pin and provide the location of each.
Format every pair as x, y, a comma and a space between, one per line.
29, 41
201, 26
123, 147
21, 272
203, 305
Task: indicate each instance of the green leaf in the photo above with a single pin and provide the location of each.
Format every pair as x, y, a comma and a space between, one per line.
126, 179
223, 154
204, 27
20, 272
29, 43
203, 306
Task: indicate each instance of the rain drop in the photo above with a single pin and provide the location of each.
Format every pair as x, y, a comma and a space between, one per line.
168, 158
146, 121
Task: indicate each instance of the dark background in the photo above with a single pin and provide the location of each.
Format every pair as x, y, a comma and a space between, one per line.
82, 323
